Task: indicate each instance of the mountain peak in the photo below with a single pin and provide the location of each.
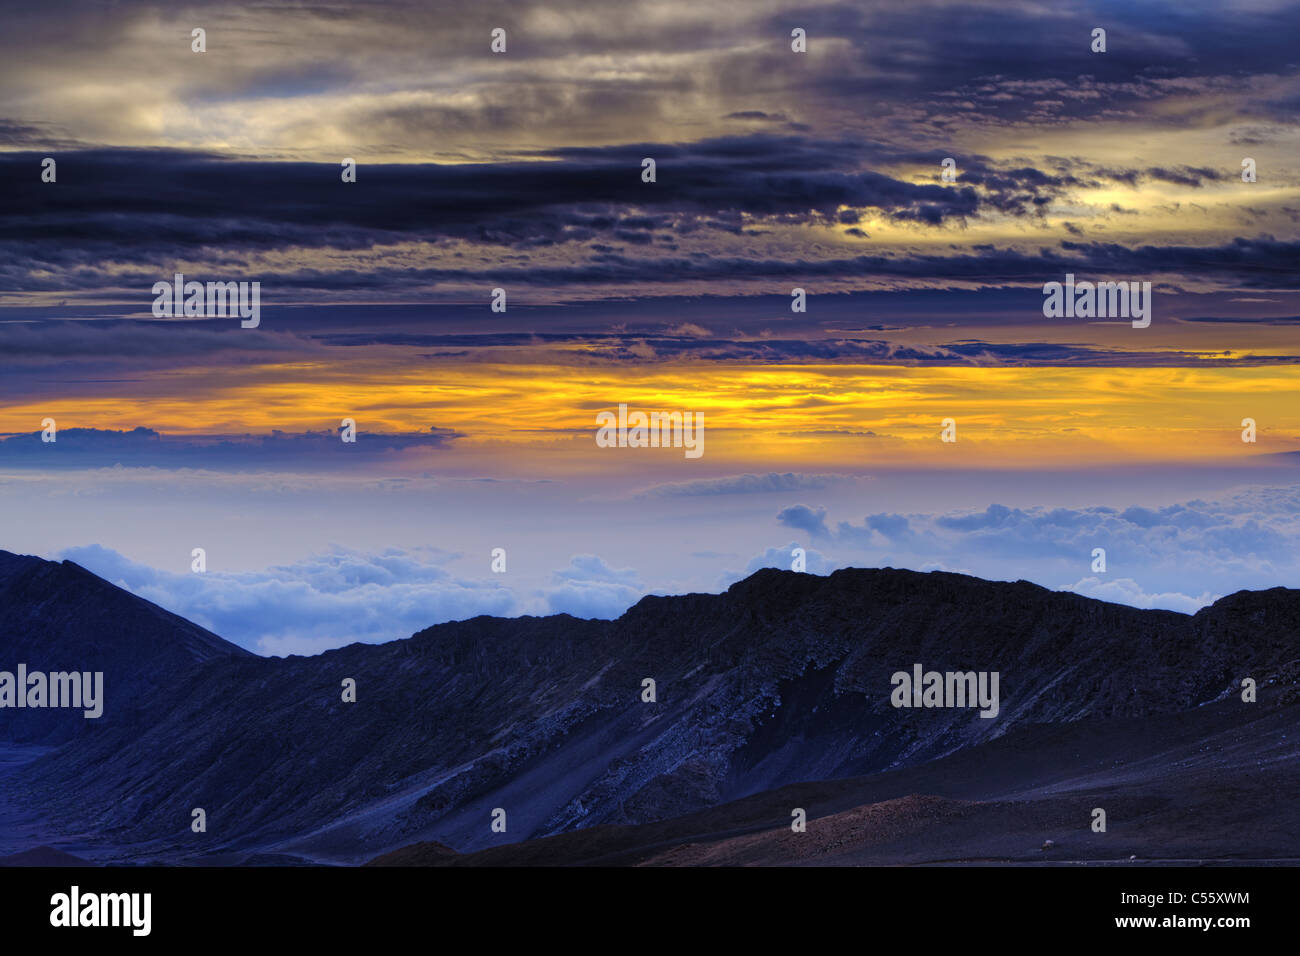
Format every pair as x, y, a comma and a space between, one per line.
58, 616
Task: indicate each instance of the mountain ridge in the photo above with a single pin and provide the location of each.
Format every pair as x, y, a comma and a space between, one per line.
783, 677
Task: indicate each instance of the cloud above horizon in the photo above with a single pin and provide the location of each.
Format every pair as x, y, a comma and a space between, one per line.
344, 596
1182, 556
1242, 541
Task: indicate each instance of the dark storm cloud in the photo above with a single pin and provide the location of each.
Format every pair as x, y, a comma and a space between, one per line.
145, 448
16, 134
803, 518
883, 90
107, 340
623, 347
1245, 263
1194, 176
974, 64
143, 203
757, 115
45, 356
1263, 263
138, 209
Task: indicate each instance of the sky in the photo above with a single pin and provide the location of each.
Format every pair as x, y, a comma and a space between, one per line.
523, 170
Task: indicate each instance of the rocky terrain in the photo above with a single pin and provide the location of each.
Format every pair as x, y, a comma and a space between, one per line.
783, 680
1211, 785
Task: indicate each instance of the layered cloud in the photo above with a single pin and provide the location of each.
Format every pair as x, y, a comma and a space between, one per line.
738, 212
1181, 556
141, 447
344, 596
588, 587
748, 484
401, 77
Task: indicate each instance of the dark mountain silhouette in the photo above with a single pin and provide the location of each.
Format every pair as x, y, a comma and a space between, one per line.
60, 617
783, 679
43, 856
